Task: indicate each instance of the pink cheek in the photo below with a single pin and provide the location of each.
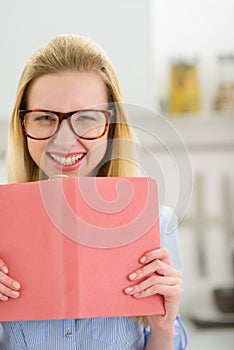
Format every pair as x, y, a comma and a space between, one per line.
37, 150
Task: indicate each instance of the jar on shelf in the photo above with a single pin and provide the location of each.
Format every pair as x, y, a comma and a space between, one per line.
224, 100
184, 92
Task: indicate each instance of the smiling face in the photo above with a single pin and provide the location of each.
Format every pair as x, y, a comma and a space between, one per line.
65, 153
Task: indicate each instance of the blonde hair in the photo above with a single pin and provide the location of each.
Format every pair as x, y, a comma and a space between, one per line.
78, 54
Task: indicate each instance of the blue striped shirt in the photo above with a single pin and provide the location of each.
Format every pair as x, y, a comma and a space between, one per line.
120, 333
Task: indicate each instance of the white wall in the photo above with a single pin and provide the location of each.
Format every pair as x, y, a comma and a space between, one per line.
120, 26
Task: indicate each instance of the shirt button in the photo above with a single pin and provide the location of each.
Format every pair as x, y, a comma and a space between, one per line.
69, 333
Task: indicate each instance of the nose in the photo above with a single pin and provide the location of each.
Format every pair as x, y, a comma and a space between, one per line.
64, 136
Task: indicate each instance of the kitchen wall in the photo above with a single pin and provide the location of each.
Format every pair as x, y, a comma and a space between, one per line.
186, 29
121, 27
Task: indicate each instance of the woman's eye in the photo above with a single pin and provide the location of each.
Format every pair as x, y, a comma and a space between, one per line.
86, 118
44, 117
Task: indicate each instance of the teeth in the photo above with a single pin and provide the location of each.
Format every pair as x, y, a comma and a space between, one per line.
66, 160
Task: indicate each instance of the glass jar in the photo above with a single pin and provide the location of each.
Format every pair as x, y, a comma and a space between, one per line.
224, 100
184, 94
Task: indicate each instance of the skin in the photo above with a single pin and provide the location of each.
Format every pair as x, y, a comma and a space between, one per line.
69, 92
63, 93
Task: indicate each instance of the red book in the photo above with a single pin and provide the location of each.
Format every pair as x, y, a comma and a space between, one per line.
72, 243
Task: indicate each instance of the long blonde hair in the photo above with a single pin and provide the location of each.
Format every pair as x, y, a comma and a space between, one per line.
78, 54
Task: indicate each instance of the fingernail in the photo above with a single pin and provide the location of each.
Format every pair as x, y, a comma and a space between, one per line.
15, 294
5, 269
133, 276
143, 259
16, 285
136, 295
4, 298
128, 290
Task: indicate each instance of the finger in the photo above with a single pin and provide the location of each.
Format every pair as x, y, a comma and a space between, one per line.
3, 297
3, 266
7, 281
158, 266
168, 270
144, 271
172, 292
7, 292
151, 281
161, 253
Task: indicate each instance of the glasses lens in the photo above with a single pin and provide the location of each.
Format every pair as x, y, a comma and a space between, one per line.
40, 124
89, 124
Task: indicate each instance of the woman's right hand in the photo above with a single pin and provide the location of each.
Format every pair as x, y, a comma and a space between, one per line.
9, 288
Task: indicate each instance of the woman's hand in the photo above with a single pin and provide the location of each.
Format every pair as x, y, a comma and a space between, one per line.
160, 277
8, 286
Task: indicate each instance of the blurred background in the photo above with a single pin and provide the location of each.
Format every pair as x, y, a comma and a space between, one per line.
175, 58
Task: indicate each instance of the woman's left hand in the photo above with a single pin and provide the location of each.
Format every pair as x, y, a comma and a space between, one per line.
159, 277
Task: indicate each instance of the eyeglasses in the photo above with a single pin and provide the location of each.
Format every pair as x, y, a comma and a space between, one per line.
88, 124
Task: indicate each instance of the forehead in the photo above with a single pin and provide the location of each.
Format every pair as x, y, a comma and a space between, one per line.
67, 91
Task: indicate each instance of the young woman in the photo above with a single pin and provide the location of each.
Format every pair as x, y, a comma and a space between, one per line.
68, 118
